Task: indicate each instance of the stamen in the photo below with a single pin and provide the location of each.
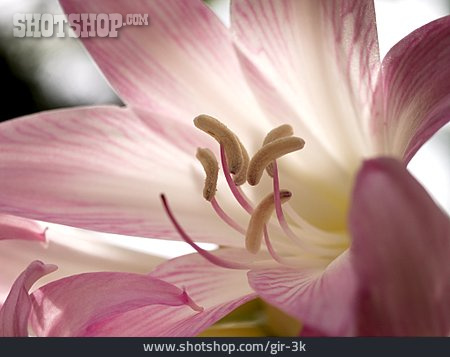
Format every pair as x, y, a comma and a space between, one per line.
241, 177
280, 132
282, 220
226, 218
225, 137
224, 263
270, 153
273, 252
243, 201
211, 167
259, 219
279, 211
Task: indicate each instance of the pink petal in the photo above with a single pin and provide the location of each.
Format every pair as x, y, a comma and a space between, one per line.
415, 85
321, 299
395, 278
14, 227
217, 290
103, 168
313, 63
181, 64
401, 250
15, 311
74, 306
73, 251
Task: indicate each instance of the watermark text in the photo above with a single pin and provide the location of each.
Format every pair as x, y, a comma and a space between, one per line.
74, 25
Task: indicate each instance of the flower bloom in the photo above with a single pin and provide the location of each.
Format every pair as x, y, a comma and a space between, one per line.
334, 234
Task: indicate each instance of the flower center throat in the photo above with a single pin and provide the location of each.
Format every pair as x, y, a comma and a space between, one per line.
239, 169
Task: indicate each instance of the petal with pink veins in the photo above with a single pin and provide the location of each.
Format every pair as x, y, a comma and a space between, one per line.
401, 245
103, 168
76, 305
382, 284
414, 90
74, 251
324, 300
182, 63
219, 291
16, 309
314, 64
14, 227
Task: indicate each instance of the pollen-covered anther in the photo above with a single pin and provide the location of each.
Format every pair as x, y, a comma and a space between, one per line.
225, 137
241, 177
259, 219
269, 153
211, 167
279, 132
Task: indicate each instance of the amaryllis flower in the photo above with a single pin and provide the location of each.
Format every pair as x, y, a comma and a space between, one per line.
338, 235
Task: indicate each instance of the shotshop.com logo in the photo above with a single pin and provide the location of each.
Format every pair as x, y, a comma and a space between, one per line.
74, 25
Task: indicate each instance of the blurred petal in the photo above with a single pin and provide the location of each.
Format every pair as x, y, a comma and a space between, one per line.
401, 245
14, 227
324, 300
103, 168
218, 290
74, 251
15, 311
73, 306
308, 331
181, 64
415, 85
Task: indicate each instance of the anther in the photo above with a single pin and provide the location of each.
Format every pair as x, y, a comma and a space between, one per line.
279, 132
241, 177
211, 167
259, 219
282, 131
269, 153
225, 137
